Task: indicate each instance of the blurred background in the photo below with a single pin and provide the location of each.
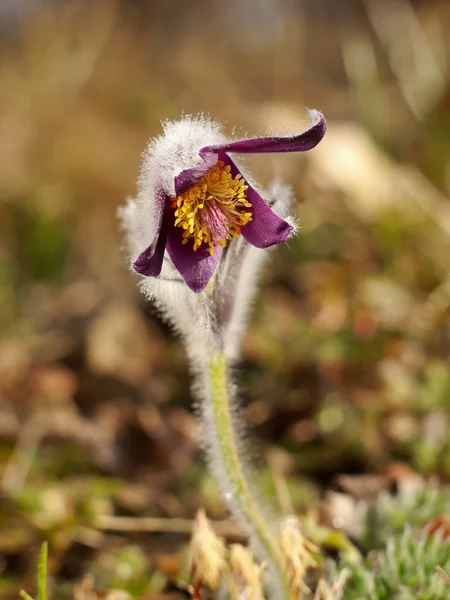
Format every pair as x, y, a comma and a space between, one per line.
345, 369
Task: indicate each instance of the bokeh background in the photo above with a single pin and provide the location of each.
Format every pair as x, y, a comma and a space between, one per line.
345, 368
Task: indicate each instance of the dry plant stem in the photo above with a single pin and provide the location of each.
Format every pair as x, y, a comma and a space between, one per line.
226, 529
442, 574
243, 498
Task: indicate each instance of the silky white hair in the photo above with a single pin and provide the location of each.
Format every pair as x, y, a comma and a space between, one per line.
165, 157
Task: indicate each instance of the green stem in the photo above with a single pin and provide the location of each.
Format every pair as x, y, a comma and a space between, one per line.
231, 463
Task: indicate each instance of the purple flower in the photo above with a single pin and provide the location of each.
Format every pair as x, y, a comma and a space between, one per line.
193, 199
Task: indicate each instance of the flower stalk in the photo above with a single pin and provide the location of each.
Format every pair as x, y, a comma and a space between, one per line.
240, 493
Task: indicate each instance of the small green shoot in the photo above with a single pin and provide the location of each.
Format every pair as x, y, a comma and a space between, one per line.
42, 576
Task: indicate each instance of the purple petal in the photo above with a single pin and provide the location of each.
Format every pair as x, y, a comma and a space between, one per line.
196, 267
189, 177
150, 261
299, 143
266, 228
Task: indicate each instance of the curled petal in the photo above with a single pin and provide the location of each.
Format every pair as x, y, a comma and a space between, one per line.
298, 143
196, 267
266, 228
150, 261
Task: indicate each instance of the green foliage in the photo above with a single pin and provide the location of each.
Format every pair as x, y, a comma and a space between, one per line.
125, 569
404, 570
435, 389
402, 540
42, 572
42, 243
42, 576
391, 514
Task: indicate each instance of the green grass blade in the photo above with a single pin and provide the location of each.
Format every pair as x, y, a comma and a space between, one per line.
24, 595
42, 572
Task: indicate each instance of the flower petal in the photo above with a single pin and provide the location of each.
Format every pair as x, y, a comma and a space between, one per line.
189, 177
299, 143
150, 261
196, 267
266, 228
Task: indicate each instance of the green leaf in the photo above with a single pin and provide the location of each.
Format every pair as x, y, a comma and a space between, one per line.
42, 576
42, 572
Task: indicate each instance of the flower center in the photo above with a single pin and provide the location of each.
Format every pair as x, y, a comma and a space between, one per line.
214, 210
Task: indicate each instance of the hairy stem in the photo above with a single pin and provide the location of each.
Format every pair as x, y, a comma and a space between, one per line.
242, 499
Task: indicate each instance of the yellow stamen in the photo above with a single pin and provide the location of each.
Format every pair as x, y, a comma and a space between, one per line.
214, 210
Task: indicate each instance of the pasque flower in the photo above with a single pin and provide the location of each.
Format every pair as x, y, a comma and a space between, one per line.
198, 217
193, 199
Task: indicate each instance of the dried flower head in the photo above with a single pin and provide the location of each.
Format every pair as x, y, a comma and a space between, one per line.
208, 555
335, 592
192, 198
245, 580
296, 551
